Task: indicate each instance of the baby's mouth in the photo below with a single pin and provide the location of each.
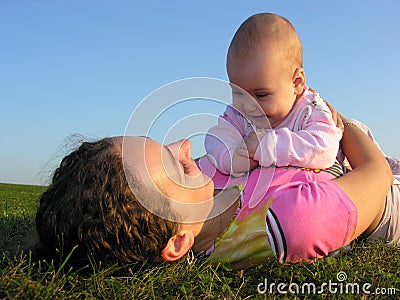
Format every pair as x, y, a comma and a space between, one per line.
257, 116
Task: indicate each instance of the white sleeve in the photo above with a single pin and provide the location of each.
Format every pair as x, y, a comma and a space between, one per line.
224, 138
314, 146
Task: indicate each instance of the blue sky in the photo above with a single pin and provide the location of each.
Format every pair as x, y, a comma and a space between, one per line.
70, 67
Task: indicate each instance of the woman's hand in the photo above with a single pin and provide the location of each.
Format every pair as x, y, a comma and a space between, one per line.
337, 117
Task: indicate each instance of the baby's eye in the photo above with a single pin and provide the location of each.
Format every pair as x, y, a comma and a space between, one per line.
261, 95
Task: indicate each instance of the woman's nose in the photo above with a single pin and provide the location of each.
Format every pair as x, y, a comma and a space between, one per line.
181, 149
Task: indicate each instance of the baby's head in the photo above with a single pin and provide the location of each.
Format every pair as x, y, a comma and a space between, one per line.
270, 33
265, 59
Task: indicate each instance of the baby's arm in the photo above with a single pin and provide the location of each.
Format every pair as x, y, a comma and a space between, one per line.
314, 146
225, 144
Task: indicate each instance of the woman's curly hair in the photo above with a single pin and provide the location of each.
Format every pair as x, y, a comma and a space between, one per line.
89, 205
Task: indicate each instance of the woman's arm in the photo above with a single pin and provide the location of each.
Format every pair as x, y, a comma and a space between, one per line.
369, 182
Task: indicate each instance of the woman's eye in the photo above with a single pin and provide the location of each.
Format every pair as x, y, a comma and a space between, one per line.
186, 167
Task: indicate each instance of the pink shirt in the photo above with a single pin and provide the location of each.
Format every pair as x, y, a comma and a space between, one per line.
303, 215
308, 137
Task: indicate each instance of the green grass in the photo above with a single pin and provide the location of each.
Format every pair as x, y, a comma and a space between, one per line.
368, 266
18, 204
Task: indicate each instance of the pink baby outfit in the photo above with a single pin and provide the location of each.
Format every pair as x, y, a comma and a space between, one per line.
308, 137
303, 215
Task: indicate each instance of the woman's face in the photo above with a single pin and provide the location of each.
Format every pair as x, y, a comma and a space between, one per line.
171, 172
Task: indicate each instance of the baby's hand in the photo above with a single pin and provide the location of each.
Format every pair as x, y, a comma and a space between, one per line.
241, 162
252, 141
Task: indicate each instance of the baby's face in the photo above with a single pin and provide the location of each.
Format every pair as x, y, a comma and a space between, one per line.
266, 78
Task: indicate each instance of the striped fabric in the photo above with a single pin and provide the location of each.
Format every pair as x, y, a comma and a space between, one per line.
275, 236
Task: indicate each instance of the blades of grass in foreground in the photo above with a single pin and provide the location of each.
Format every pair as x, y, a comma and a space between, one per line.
367, 265
370, 265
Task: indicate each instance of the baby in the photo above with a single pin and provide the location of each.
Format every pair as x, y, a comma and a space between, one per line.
276, 119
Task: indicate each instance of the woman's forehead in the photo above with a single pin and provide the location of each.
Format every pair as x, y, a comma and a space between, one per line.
148, 158
136, 150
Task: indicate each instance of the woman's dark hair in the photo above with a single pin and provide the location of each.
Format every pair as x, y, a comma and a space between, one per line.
90, 207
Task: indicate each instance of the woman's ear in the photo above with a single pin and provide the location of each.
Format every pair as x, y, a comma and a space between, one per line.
299, 81
178, 245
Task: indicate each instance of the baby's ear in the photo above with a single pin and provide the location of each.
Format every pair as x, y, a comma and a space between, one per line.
299, 81
178, 245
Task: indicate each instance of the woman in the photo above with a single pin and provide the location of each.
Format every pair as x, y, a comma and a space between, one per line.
112, 200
